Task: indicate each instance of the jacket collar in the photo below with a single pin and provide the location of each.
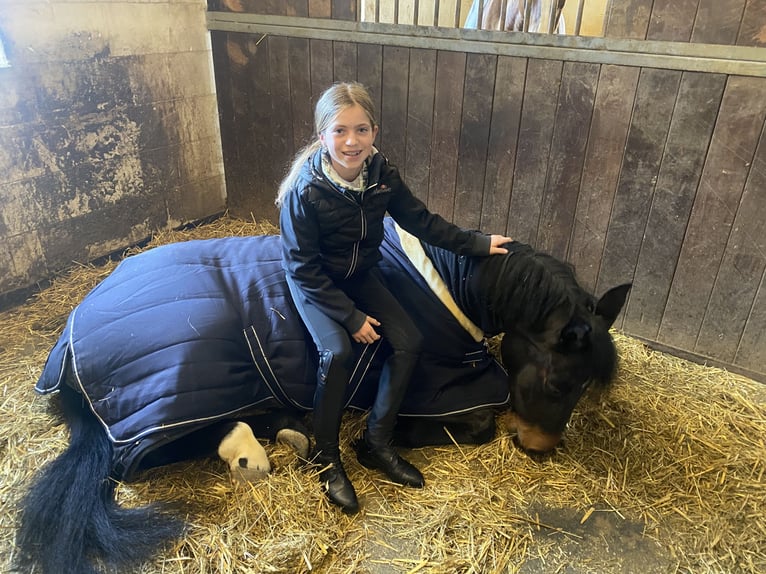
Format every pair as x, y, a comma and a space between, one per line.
374, 169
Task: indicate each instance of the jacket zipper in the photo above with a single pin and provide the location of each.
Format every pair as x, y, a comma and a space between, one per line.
355, 255
355, 250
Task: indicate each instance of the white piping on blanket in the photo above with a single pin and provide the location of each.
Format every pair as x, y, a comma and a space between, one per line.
417, 256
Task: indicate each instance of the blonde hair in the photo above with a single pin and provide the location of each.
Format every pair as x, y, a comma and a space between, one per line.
332, 102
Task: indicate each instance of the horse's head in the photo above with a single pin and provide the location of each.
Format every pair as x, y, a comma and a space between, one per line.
551, 367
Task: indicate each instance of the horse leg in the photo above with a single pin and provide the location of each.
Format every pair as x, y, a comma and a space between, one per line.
236, 444
477, 427
284, 427
243, 453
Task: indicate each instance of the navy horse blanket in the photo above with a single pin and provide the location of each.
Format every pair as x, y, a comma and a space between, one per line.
187, 334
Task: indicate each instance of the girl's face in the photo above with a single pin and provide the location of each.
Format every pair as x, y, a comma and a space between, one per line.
349, 140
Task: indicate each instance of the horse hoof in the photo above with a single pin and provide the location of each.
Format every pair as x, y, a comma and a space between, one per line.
243, 453
297, 440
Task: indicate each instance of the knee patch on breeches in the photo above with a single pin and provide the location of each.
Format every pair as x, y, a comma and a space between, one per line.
332, 365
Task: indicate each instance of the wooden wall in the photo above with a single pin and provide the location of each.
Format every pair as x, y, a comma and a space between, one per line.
642, 173
108, 130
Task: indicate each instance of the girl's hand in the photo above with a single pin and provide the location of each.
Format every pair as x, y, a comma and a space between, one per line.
495, 242
367, 333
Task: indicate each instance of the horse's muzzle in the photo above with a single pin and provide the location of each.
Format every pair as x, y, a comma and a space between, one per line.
532, 438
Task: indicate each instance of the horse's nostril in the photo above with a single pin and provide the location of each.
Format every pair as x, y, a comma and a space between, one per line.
534, 440
242, 462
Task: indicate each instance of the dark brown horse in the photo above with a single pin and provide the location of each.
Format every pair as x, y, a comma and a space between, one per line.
193, 348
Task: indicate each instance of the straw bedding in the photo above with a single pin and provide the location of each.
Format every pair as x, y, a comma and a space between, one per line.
675, 448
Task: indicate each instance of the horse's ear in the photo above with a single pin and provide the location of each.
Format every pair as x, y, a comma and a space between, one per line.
611, 302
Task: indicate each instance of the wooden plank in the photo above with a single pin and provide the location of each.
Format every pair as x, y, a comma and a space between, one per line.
321, 68
601, 170
543, 80
718, 21
271, 7
672, 20
474, 138
344, 61
320, 8
252, 109
300, 92
420, 117
752, 31
501, 155
370, 72
239, 102
627, 19
757, 374
281, 141
691, 127
298, 8
741, 271
652, 110
570, 138
723, 180
226, 115
344, 10
751, 353
448, 102
270, 87
393, 105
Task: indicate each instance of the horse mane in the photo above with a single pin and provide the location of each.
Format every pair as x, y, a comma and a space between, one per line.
524, 287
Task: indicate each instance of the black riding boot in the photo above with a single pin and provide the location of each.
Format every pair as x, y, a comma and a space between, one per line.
328, 411
336, 484
375, 449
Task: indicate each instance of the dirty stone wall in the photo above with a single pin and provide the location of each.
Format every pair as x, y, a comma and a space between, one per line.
108, 130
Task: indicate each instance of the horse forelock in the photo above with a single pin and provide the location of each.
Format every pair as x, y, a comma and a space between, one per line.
524, 287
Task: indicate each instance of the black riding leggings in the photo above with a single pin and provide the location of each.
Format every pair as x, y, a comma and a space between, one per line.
333, 341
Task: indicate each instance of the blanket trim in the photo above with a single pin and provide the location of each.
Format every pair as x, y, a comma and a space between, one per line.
422, 263
263, 365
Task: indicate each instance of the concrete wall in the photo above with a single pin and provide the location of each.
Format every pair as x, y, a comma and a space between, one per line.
108, 130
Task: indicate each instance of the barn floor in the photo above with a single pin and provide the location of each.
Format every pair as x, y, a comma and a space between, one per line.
665, 472
604, 543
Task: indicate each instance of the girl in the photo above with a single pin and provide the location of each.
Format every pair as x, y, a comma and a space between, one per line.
332, 205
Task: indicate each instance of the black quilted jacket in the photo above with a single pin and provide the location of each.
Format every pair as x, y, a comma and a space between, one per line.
329, 233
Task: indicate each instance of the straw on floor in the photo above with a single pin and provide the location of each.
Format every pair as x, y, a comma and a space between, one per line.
673, 446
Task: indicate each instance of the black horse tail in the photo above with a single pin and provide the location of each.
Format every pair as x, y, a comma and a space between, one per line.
69, 519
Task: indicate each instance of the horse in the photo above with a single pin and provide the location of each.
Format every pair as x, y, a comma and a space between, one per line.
196, 348
513, 16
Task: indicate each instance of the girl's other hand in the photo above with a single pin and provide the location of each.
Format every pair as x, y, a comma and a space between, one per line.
367, 333
495, 244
